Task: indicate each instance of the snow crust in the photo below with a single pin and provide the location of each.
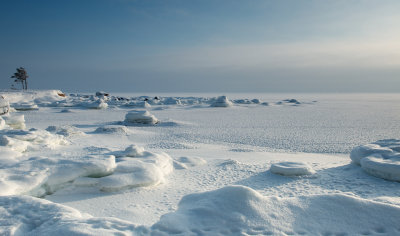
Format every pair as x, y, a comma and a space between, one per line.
380, 159
291, 168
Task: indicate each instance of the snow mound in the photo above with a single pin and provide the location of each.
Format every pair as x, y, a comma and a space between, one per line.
291, 168
222, 101
97, 104
140, 117
24, 215
41, 176
65, 130
187, 162
380, 159
238, 210
112, 129
15, 121
131, 151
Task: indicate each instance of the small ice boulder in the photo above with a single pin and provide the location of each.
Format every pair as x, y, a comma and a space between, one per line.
140, 117
25, 106
222, 101
380, 159
292, 168
2, 123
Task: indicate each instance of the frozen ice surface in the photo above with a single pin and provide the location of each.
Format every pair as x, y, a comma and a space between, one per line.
380, 159
291, 168
210, 148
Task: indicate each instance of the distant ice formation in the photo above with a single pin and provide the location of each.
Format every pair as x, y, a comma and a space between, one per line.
222, 101
380, 159
292, 168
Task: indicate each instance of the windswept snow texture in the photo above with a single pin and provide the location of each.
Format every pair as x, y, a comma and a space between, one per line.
380, 159
292, 168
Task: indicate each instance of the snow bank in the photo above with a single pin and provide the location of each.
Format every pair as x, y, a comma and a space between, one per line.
186, 162
380, 159
24, 215
291, 168
140, 117
238, 210
222, 101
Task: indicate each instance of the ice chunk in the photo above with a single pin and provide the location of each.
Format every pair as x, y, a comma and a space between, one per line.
222, 101
2, 123
140, 117
25, 106
145, 169
380, 159
291, 168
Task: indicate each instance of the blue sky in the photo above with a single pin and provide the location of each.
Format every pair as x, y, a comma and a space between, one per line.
203, 46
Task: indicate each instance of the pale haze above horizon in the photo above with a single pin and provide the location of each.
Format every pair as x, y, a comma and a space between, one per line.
202, 45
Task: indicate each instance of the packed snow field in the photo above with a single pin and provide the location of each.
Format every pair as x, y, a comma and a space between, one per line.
243, 164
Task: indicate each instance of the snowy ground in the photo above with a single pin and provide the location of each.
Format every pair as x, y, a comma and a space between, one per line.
200, 165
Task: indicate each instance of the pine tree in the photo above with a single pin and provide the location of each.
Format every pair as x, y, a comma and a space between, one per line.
20, 77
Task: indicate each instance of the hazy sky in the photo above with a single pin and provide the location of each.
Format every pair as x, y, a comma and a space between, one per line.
203, 46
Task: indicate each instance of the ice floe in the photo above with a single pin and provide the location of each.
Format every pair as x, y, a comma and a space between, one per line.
380, 159
291, 168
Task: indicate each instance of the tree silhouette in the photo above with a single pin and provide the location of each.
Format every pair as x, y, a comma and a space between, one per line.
20, 77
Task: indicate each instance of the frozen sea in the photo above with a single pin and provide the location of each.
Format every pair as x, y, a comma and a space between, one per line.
201, 169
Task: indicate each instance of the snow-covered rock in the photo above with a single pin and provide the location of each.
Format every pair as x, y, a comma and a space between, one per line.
140, 117
291, 168
380, 159
222, 101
